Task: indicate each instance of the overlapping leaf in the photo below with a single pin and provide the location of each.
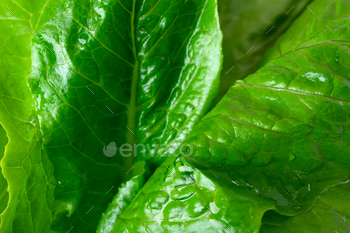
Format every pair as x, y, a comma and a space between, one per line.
129, 72
329, 214
277, 141
250, 28
124, 197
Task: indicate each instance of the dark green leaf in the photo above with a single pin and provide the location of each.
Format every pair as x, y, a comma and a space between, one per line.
103, 74
316, 17
250, 28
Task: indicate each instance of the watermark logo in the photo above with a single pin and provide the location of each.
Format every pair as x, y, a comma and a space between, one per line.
137, 150
110, 150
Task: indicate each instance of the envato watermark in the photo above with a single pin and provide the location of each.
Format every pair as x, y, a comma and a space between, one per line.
147, 150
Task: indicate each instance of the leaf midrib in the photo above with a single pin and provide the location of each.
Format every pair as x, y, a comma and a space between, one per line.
131, 112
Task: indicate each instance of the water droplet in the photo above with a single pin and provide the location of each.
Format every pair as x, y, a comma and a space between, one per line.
197, 207
236, 183
185, 169
155, 205
181, 193
213, 208
175, 210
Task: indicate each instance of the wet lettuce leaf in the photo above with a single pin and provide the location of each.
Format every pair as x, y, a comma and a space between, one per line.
331, 213
250, 28
124, 197
275, 150
305, 26
82, 78
25, 165
80, 75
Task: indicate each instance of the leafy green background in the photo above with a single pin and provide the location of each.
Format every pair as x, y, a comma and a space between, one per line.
277, 141
272, 156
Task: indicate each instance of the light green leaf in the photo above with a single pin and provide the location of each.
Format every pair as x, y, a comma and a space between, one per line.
331, 213
4, 196
25, 166
174, 200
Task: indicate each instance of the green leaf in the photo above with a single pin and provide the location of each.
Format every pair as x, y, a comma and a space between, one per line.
250, 28
276, 142
180, 198
329, 214
25, 166
4, 196
315, 18
124, 197
104, 75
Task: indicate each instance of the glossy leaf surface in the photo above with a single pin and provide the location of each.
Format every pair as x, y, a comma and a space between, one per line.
315, 18
276, 142
124, 197
25, 166
329, 214
250, 28
100, 72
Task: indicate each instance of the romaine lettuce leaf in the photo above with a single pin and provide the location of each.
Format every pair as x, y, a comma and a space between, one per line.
124, 197
314, 18
25, 165
331, 213
81, 79
100, 72
277, 141
250, 28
